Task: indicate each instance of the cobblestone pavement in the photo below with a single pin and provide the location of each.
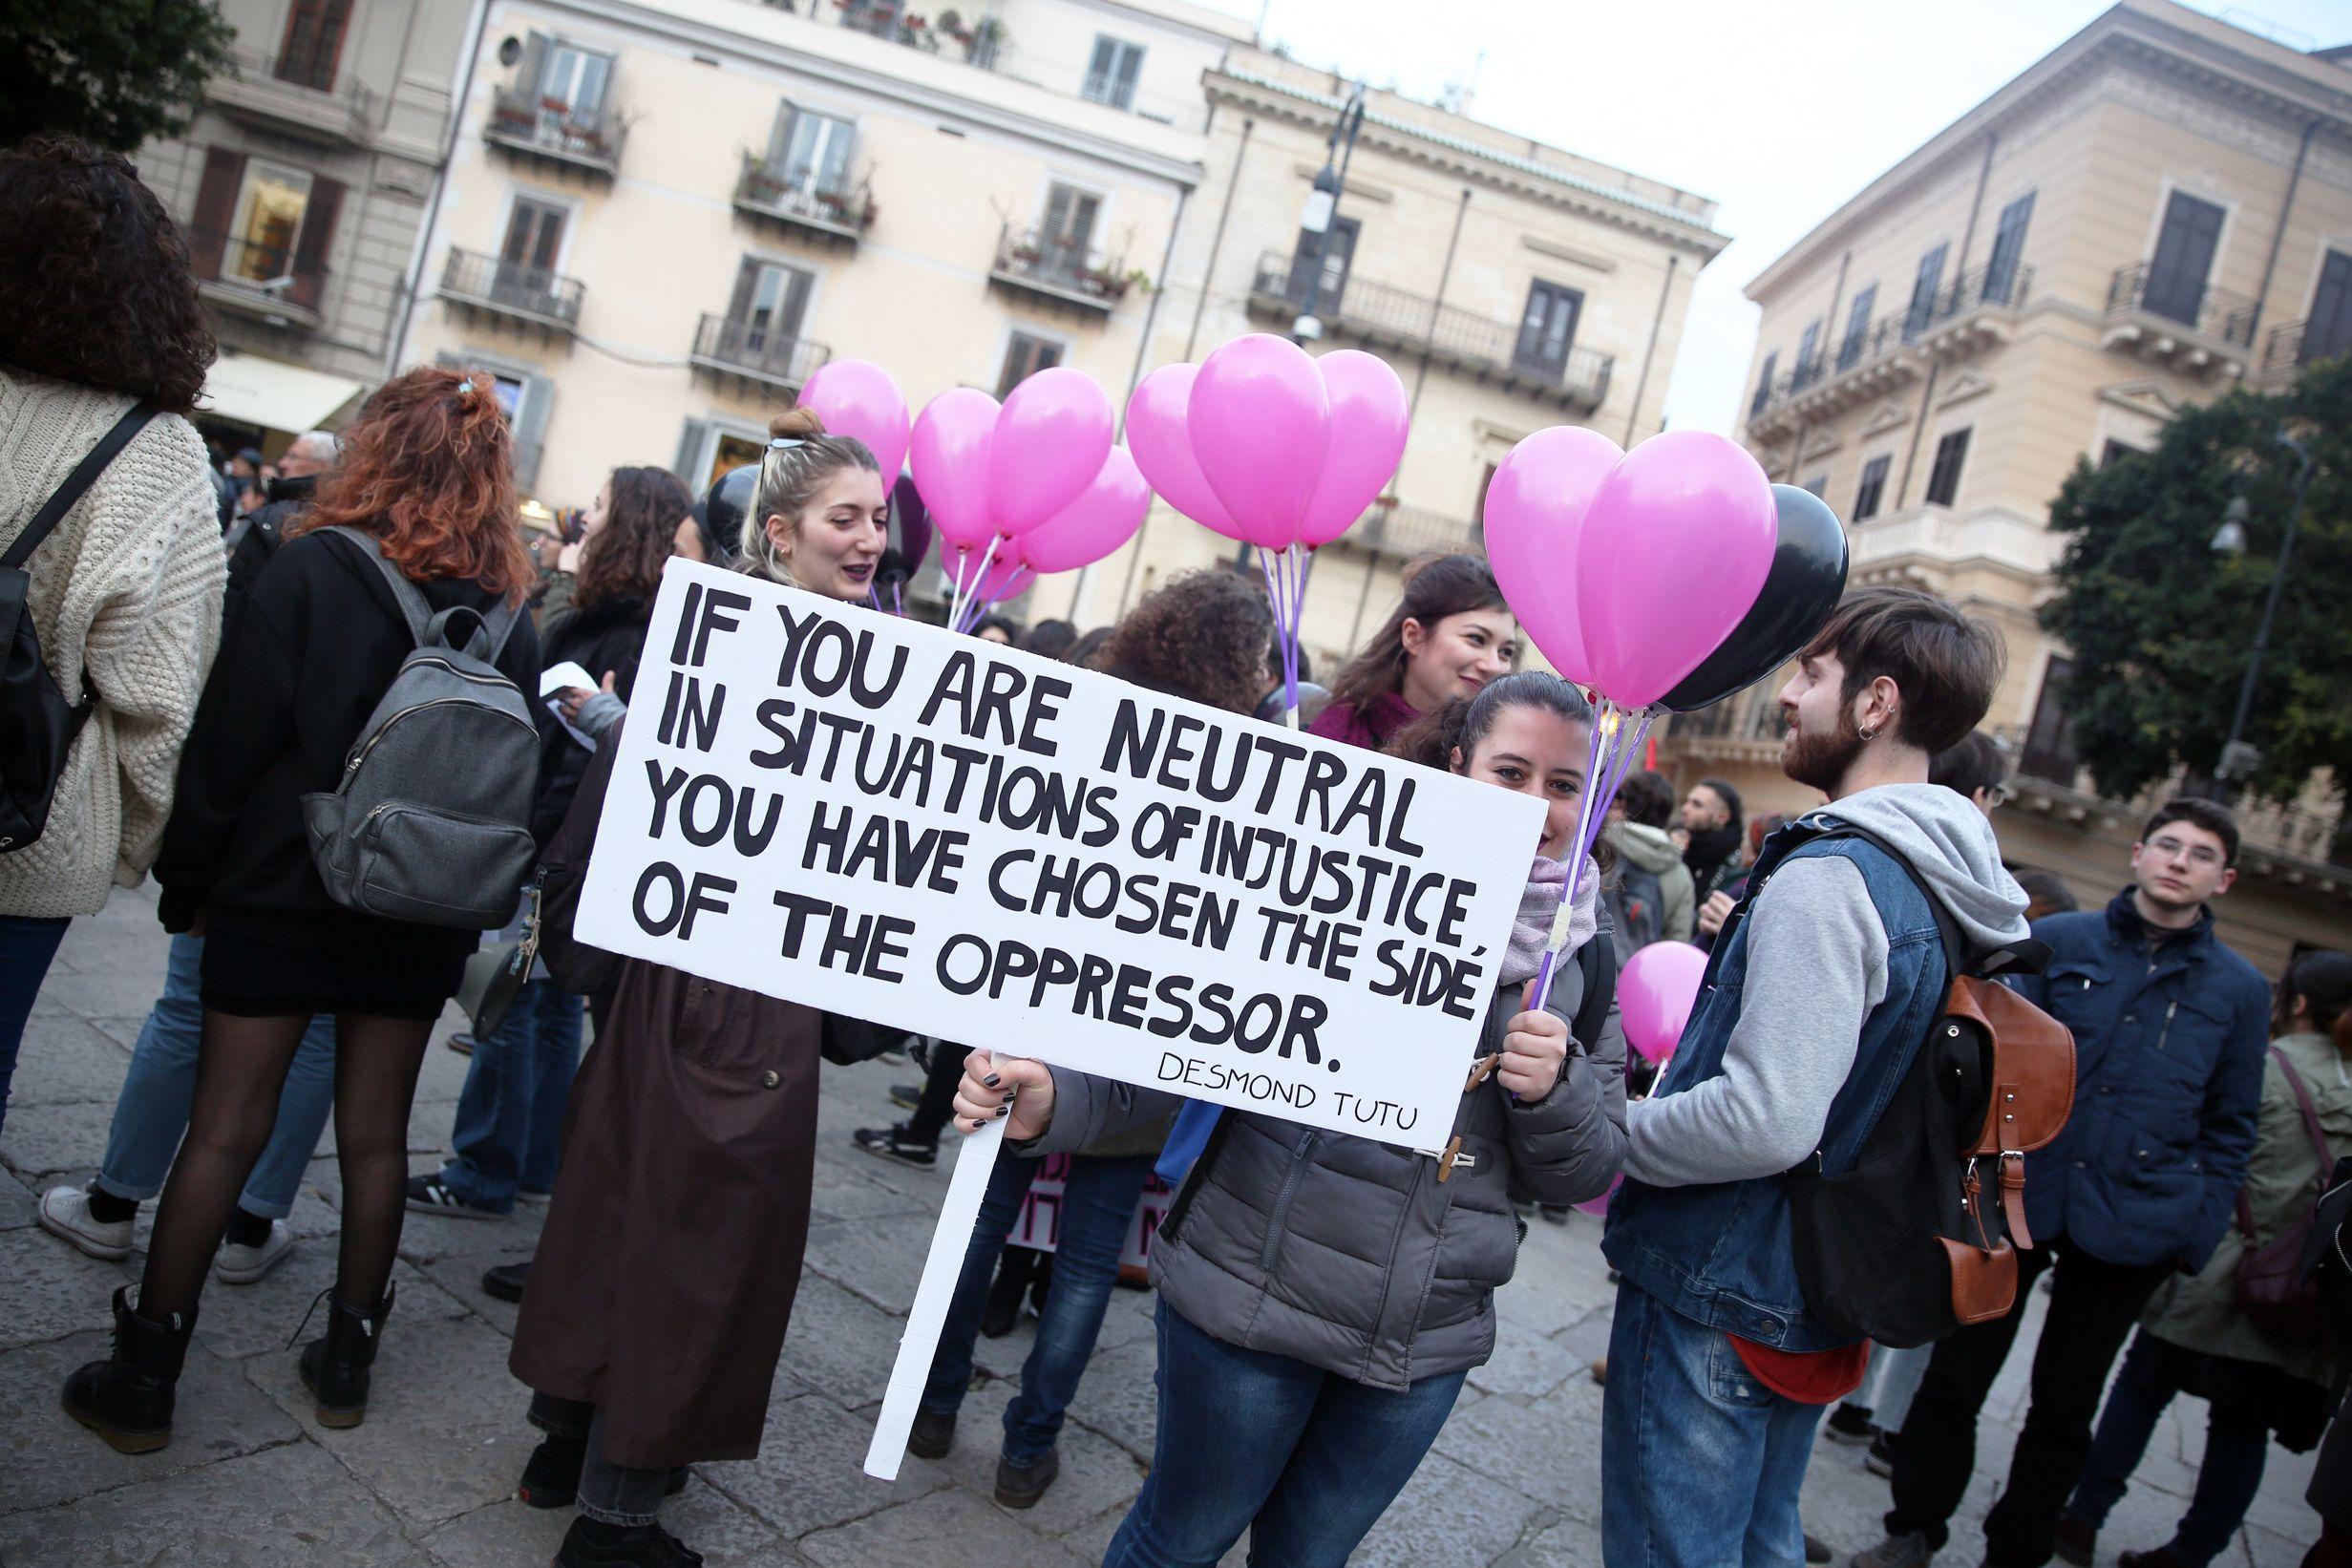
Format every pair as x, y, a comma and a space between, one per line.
250, 1479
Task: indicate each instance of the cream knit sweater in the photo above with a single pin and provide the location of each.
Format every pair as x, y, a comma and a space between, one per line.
126, 594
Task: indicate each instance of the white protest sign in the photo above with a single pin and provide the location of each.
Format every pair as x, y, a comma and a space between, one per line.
885, 820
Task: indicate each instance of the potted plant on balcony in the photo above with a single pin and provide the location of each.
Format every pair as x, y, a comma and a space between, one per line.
952, 24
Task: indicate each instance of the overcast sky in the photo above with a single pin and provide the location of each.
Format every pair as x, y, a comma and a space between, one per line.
1779, 112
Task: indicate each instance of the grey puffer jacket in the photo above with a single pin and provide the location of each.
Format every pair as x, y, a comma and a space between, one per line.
1350, 1255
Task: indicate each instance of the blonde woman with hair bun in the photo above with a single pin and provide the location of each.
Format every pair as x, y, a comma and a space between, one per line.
820, 514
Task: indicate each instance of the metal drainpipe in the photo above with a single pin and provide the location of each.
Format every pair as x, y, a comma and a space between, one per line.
2269, 263
1445, 274
440, 180
1657, 322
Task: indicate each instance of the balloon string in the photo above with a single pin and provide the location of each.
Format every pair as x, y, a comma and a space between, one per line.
898, 598
978, 579
1598, 752
1297, 608
874, 596
955, 599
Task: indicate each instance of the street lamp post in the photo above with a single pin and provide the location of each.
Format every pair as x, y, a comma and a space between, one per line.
1322, 205
2238, 758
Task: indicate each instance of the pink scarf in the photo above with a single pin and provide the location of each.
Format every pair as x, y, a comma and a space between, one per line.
1541, 922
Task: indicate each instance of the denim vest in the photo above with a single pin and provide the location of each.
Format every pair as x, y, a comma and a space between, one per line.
1722, 1254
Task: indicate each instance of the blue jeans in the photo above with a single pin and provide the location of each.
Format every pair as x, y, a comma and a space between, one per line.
2237, 1446
1305, 1460
1894, 1376
1699, 1463
27, 945
510, 1113
1098, 1205
150, 1114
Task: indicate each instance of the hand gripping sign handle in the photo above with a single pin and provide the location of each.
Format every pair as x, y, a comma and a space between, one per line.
929, 1314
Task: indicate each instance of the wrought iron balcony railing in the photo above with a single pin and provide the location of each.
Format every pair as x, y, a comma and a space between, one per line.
2004, 288
756, 351
1379, 313
1041, 261
770, 188
513, 289
2215, 312
523, 120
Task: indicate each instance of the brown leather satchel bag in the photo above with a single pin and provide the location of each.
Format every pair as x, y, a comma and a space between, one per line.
2272, 1291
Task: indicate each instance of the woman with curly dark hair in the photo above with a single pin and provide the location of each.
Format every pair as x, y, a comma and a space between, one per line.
510, 1115
1203, 635
101, 340
428, 474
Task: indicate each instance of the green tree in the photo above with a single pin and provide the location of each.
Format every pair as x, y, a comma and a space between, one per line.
116, 71
2162, 626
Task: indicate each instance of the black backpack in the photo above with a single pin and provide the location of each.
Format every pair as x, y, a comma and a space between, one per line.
37, 723
1910, 1245
1637, 909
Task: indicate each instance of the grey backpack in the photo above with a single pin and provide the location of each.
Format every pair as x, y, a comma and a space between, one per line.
431, 822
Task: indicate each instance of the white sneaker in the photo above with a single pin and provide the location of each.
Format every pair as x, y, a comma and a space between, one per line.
65, 1211
238, 1264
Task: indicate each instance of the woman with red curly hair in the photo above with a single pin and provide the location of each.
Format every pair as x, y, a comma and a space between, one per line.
429, 472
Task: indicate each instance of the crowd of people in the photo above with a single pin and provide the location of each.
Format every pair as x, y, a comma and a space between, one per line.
230, 635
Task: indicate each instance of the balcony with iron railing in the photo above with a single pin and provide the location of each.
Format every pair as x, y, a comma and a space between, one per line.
523, 121
1403, 321
1050, 267
1958, 320
2199, 331
262, 282
1389, 529
294, 97
512, 291
753, 352
798, 198
983, 43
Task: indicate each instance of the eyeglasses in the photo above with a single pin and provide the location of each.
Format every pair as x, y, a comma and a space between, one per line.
2196, 853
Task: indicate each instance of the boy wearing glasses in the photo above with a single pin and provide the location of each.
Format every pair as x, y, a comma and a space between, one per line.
2170, 1026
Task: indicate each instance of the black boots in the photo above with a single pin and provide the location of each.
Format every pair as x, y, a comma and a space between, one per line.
335, 1369
127, 1399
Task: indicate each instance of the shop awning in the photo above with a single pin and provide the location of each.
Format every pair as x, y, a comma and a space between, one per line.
247, 390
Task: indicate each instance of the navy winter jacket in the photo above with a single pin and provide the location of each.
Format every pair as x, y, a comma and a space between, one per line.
2168, 1083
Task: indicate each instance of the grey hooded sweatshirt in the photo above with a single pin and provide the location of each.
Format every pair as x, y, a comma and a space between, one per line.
1816, 965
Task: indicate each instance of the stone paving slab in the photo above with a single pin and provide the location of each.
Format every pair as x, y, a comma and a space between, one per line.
509, 1533
65, 1061
808, 1478
51, 1459
49, 1290
924, 1533
285, 1507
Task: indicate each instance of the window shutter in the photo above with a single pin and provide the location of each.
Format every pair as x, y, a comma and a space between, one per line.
216, 209
794, 306
1058, 201
746, 278
692, 442
1082, 227
780, 140
1130, 66
318, 235
534, 65
531, 429
838, 146
1106, 57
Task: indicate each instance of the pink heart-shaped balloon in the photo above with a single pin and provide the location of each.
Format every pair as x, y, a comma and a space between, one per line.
1052, 437
1535, 521
1162, 440
950, 445
856, 398
1104, 517
1369, 420
1261, 425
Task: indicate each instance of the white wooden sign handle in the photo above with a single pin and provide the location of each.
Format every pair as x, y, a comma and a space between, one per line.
949, 1242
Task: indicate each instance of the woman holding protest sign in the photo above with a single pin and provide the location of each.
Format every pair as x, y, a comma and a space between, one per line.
1322, 1296
1203, 637
1447, 637
664, 1281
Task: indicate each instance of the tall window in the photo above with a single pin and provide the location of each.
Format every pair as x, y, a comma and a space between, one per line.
1808, 348
2049, 739
1763, 384
812, 152
1872, 490
1944, 477
2327, 332
2176, 285
1068, 232
313, 42
2001, 273
769, 303
1337, 258
574, 78
1111, 75
1024, 357
268, 221
1548, 328
534, 236
1857, 327
1924, 286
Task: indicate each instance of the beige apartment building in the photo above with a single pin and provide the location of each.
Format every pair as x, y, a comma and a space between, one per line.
303, 182
1511, 285
2156, 211
660, 217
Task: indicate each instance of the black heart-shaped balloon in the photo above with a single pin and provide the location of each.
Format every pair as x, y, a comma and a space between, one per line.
1806, 580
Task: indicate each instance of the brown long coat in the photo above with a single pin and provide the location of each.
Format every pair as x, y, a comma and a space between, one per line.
664, 1279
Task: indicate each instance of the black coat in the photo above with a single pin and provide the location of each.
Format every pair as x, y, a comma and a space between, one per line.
301, 667
604, 638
